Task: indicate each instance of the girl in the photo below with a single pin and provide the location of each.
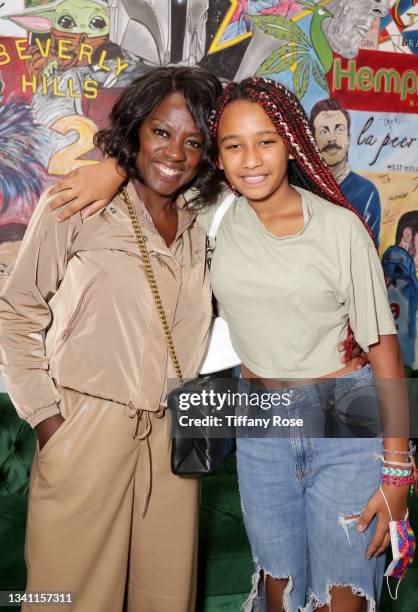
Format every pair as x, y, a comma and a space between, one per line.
293, 266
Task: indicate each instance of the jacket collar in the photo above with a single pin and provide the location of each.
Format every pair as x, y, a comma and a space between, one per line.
186, 216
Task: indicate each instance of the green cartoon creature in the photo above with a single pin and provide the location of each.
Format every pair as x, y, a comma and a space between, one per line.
75, 21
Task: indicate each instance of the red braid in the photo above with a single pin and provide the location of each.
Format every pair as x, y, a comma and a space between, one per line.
291, 122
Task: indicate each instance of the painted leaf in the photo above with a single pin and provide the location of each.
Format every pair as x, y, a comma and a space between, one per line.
283, 53
301, 77
319, 76
308, 3
279, 62
281, 28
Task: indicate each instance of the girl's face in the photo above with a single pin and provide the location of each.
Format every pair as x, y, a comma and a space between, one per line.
171, 147
251, 152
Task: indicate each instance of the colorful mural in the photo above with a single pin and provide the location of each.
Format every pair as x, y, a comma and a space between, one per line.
353, 64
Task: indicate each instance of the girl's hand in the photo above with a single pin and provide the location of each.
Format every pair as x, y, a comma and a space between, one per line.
90, 188
397, 498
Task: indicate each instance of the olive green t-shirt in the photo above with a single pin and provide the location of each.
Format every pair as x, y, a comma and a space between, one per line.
287, 300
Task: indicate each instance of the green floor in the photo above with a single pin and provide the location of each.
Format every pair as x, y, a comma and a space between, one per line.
225, 564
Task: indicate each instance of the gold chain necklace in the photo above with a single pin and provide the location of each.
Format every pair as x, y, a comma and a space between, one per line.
149, 273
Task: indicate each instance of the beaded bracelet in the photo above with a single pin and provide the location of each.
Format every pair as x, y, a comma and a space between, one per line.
410, 452
388, 471
398, 463
398, 481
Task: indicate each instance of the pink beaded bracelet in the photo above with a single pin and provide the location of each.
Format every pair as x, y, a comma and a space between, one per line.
398, 481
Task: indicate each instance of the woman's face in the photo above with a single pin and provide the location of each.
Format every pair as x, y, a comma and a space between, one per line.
171, 147
251, 152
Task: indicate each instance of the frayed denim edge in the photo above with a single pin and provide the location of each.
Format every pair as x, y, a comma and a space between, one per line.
314, 602
248, 605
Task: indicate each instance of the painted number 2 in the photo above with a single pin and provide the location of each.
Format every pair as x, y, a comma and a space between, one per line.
67, 159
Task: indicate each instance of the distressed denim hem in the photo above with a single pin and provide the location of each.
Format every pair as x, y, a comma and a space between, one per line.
257, 594
314, 603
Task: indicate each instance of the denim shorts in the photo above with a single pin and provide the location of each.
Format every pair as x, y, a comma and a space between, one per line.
301, 496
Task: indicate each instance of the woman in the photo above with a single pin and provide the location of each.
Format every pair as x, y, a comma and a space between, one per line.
106, 515
292, 266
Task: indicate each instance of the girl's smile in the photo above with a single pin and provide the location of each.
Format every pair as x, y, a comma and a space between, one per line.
254, 179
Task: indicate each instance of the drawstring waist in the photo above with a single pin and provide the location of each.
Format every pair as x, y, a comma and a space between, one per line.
142, 427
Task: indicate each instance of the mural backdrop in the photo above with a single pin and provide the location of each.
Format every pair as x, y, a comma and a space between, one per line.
352, 63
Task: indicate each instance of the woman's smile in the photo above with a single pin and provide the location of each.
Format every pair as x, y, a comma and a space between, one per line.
168, 172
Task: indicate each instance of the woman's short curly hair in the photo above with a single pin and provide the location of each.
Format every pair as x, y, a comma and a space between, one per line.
200, 89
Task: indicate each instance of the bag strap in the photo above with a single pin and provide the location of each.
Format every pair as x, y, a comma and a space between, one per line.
223, 207
149, 273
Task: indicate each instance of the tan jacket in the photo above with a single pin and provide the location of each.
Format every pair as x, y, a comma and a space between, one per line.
83, 284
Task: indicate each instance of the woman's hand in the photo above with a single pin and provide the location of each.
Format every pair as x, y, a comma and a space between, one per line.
45, 429
90, 188
397, 498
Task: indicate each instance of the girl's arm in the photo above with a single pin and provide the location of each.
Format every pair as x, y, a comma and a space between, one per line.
386, 361
90, 188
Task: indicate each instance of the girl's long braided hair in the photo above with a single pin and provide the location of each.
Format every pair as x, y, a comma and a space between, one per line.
308, 169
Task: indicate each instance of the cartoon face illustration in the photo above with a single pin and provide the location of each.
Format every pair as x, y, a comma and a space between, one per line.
350, 22
81, 16
406, 238
88, 17
332, 135
407, 234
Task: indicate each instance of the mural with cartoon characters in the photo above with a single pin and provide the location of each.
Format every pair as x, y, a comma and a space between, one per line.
352, 63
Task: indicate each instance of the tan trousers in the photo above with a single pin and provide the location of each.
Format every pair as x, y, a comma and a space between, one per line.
87, 532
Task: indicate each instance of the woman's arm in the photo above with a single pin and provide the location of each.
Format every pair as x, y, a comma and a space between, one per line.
386, 361
25, 314
90, 188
